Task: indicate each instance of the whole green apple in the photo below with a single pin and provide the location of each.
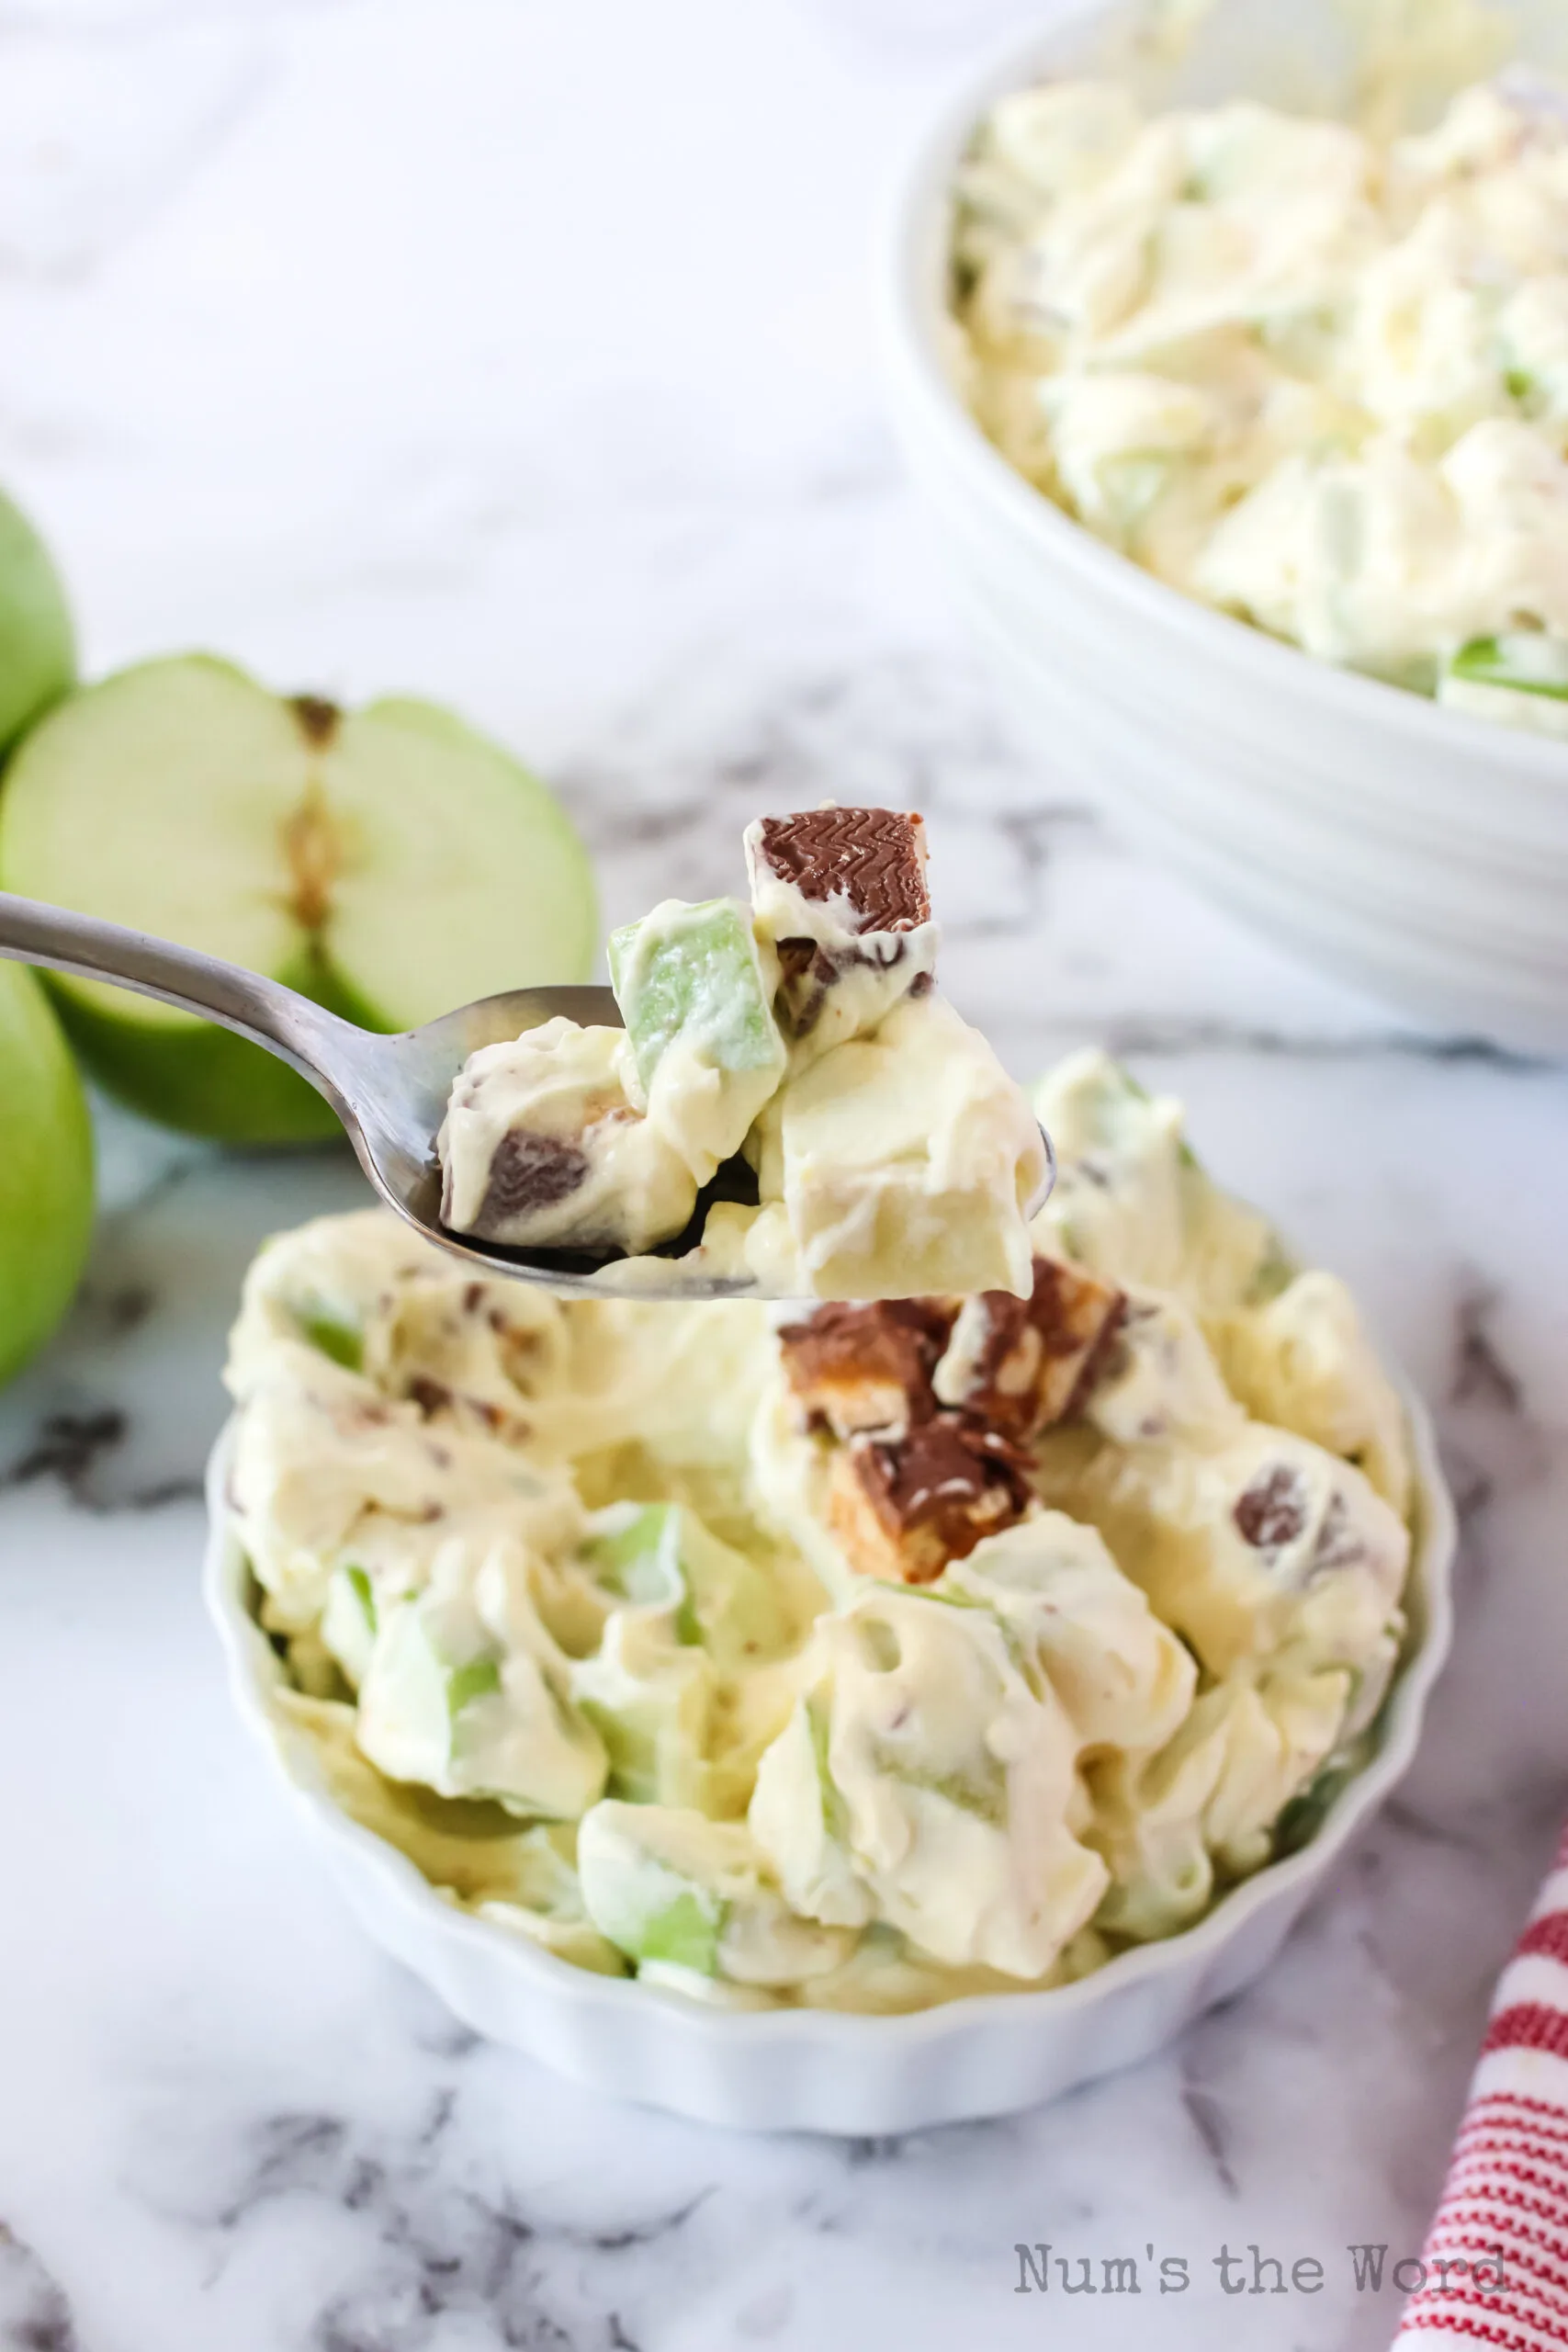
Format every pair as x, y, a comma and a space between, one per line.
46, 1170
38, 649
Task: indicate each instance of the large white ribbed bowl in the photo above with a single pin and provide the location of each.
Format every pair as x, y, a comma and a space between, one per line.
804, 2069
1420, 852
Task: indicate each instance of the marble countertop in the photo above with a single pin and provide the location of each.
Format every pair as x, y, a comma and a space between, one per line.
520, 354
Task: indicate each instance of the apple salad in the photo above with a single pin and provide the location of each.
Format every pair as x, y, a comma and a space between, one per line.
858, 1656
796, 1040
1314, 377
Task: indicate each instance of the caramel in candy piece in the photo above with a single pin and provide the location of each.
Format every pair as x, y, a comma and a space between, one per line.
1024, 1363
903, 1508
857, 1368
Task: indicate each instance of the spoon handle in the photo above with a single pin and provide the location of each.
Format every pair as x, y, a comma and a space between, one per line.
270, 1016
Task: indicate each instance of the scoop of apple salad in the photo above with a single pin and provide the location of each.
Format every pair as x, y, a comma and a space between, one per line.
798, 1039
1316, 377
859, 1655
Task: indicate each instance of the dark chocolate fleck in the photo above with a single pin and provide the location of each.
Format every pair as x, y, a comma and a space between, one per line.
430, 1395
1272, 1510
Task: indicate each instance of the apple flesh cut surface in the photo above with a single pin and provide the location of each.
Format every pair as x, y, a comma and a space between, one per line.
46, 1170
387, 861
38, 649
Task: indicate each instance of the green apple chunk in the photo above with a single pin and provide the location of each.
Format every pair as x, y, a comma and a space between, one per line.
389, 862
472, 1726
46, 1170
1520, 679
1528, 663
547, 1905
698, 1009
675, 1891
634, 1550
38, 649
660, 1556
349, 1621
651, 1697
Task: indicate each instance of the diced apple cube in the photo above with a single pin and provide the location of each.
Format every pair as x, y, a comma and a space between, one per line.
660, 1556
472, 1724
348, 1620
650, 1697
691, 983
677, 1891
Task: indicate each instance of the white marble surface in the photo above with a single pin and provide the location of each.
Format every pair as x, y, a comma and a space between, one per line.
519, 354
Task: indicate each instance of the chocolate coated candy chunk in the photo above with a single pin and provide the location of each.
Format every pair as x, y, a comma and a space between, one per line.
874, 858
903, 1508
1272, 1511
859, 1368
1025, 1364
529, 1171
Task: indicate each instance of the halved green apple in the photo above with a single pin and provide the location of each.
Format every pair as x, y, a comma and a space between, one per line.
38, 647
389, 862
46, 1170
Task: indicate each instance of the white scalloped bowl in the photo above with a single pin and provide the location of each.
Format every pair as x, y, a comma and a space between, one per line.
1414, 851
809, 2069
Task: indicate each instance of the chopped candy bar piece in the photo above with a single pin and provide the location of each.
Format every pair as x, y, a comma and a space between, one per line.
902, 1509
698, 1007
1024, 1363
841, 895
858, 1368
868, 865
542, 1149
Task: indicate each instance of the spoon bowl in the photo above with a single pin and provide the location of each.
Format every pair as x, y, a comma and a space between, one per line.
390, 1093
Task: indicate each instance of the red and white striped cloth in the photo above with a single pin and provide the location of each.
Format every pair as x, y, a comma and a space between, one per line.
1496, 2255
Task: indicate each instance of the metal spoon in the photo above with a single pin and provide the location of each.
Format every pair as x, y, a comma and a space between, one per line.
389, 1092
